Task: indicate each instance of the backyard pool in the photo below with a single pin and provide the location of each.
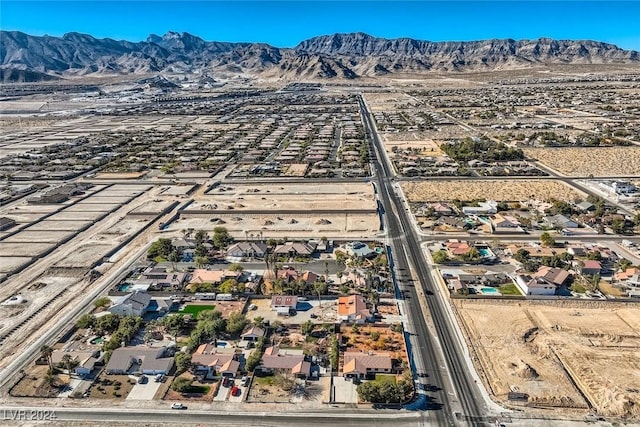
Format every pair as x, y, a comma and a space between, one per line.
96, 340
221, 344
490, 291
485, 252
124, 287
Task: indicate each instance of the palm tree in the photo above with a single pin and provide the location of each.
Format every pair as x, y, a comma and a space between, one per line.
67, 362
45, 353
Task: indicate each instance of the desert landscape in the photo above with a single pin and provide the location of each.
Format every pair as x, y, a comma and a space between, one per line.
565, 354
514, 190
596, 161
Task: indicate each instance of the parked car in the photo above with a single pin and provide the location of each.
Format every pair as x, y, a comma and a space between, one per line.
253, 307
227, 382
178, 406
235, 391
244, 381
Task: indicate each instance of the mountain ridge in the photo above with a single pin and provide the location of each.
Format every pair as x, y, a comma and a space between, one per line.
340, 55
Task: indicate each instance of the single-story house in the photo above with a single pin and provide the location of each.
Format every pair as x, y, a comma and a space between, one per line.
84, 360
183, 244
159, 278
454, 222
456, 248
284, 304
591, 267
288, 361
623, 276
586, 206
146, 360
561, 221
484, 208
353, 309
209, 361
215, 277
252, 333
292, 249
358, 365
505, 224
247, 250
359, 249
577, 250
442, 209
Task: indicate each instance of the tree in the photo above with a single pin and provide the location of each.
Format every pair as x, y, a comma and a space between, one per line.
201, 237
102, 302
107, 324
160, 248
236, 267
440, 257
174, 258
221, 237
547, 240
236, 323
258, 320
624, 264
201, 261
183, 362
594, 282
45, 353
307, 327
67, 363
227, 286
86, 321
181, 384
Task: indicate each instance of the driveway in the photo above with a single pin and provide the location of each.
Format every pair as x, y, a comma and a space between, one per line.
144, 391
344, 391
223, 392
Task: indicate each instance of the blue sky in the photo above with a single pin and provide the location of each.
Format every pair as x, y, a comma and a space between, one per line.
285, 23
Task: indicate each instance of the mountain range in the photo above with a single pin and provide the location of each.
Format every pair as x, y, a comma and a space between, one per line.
27, 58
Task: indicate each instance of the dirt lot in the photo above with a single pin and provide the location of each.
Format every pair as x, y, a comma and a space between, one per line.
388, 340
427, 147
575, 161
186, 398
515, 190
111, 387
34, 383
563, 354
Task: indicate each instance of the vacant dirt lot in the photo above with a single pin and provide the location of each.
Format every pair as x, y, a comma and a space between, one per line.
514, 190
565, 354
598, 161
427, 147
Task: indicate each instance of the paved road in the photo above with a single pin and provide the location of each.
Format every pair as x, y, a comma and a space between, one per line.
146, 417
463, 402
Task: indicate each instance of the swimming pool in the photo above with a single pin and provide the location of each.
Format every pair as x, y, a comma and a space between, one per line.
485, 252
124, 287
221, 344
493, 291
97, 340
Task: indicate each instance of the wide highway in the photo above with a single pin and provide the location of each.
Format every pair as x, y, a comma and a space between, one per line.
456, 398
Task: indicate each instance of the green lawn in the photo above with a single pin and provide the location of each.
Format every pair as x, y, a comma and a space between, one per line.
510, 289
382, 378
195, 309
203, 389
